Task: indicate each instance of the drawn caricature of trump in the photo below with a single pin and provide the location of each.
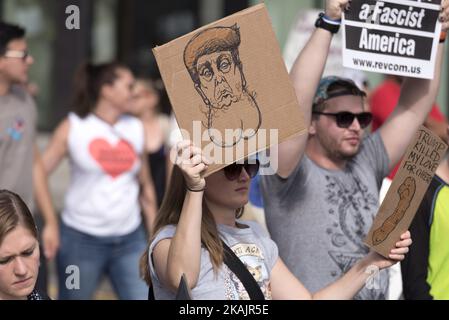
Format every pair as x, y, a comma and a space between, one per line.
212, 60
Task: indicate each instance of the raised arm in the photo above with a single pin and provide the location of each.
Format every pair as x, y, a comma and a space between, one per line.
305, 75
57, 148
415, 102
286, 286
182, 254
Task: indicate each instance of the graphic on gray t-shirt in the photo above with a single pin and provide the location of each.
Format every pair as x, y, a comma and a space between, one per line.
254, 248
319, 218
17, 133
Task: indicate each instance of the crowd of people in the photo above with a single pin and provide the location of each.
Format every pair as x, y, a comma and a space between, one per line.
147, 224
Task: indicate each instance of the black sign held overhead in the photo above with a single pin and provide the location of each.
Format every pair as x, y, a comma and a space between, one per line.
401, 45
392, 36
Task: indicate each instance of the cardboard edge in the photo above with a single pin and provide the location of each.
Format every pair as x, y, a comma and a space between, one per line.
190, 34
299, 133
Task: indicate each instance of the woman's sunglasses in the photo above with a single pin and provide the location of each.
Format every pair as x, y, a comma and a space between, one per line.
345, 119
233, 171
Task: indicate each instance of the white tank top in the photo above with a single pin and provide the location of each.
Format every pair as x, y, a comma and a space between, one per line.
102, 199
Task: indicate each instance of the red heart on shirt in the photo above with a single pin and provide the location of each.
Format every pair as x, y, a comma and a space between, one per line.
114, 160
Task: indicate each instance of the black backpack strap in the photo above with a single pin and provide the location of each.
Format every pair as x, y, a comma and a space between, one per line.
151, 293
238, 268
183, 292
150, 289
183, 289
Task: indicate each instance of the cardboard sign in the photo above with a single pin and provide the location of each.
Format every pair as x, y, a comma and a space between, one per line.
398, 37
409, 186
229, 88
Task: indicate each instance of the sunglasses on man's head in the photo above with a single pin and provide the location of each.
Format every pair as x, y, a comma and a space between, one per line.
233, 171
345, 119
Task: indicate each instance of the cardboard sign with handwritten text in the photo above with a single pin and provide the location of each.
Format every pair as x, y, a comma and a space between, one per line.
405, 195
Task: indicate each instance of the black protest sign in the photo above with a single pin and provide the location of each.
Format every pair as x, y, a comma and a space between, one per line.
392, 36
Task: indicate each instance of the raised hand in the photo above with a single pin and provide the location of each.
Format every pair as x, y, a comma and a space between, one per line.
397, 254
193, 165
335, 8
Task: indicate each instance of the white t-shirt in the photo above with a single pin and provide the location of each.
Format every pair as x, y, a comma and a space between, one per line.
102, 199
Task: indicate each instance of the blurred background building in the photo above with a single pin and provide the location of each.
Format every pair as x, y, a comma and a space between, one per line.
124, 30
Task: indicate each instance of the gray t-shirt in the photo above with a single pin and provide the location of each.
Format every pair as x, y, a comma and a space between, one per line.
17, 132
319, 218
252, 245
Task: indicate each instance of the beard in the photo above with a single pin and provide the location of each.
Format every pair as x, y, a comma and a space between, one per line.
346, 155
335, 150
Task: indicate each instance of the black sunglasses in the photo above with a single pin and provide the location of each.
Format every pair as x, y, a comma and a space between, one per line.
233, 171
345, 119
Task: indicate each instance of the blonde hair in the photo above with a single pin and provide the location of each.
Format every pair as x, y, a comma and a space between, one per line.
13, 211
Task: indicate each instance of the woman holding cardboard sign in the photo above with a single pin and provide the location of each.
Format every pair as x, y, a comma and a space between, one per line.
198, 234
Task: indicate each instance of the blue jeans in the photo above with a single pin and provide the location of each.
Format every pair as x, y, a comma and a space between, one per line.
117, 257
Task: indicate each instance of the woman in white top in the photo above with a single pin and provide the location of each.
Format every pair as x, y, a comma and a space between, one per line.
102, 230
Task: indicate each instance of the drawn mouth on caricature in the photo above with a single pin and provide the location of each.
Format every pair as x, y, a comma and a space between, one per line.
225, 98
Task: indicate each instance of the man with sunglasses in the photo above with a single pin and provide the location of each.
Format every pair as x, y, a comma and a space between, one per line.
322, 202
21, 167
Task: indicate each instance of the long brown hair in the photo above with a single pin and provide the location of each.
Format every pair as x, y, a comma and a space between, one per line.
169, 214
13, 211
89, 79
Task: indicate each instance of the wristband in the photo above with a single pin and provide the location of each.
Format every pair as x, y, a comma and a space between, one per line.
326, 23
192, 190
